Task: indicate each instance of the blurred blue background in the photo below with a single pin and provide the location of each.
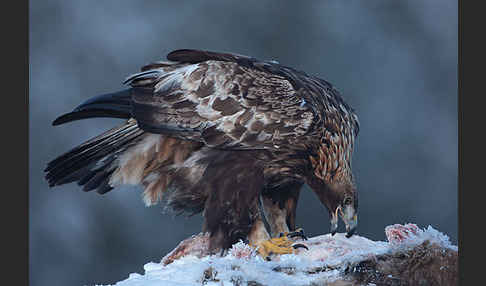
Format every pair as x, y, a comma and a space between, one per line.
395, 62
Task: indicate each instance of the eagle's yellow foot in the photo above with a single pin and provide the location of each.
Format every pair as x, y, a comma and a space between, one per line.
279, 245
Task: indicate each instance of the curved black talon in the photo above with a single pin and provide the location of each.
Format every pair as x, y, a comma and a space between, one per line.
350, 232
304, 237
300, 245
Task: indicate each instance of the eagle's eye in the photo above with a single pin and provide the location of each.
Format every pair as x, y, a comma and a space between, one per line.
347, 201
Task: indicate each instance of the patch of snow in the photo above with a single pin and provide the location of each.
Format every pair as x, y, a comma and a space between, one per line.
190, 270
333, 251
328, 256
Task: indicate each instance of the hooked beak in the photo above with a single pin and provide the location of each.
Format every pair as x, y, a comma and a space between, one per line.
349, 217
334, 221
351, 226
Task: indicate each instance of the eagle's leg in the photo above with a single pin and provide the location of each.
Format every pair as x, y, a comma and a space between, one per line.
260, 239
267, 246
275, 216
281, 215
291, 211
271, 234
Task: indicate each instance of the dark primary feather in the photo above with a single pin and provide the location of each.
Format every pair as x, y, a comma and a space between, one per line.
197, 56
114, 105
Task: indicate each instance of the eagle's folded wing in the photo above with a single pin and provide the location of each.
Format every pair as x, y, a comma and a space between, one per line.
223, 100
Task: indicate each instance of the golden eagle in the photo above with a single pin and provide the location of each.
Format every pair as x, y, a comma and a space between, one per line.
223, 134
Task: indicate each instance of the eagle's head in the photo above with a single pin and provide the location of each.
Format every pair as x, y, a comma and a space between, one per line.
341, 200
332, 181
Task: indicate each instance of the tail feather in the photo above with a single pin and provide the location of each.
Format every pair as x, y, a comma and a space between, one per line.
81, 157
127, 155
100, 179
82, 148
92, 163
93, 147
92, 173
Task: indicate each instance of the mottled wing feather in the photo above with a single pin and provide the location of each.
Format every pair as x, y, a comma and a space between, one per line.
221, 103
319, 93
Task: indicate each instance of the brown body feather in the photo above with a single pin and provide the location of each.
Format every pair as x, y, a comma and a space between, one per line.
210, 132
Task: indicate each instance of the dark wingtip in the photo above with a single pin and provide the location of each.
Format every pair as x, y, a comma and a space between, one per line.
187, 55
84, 114
62, 119
195, 56
114, 105
174, 53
